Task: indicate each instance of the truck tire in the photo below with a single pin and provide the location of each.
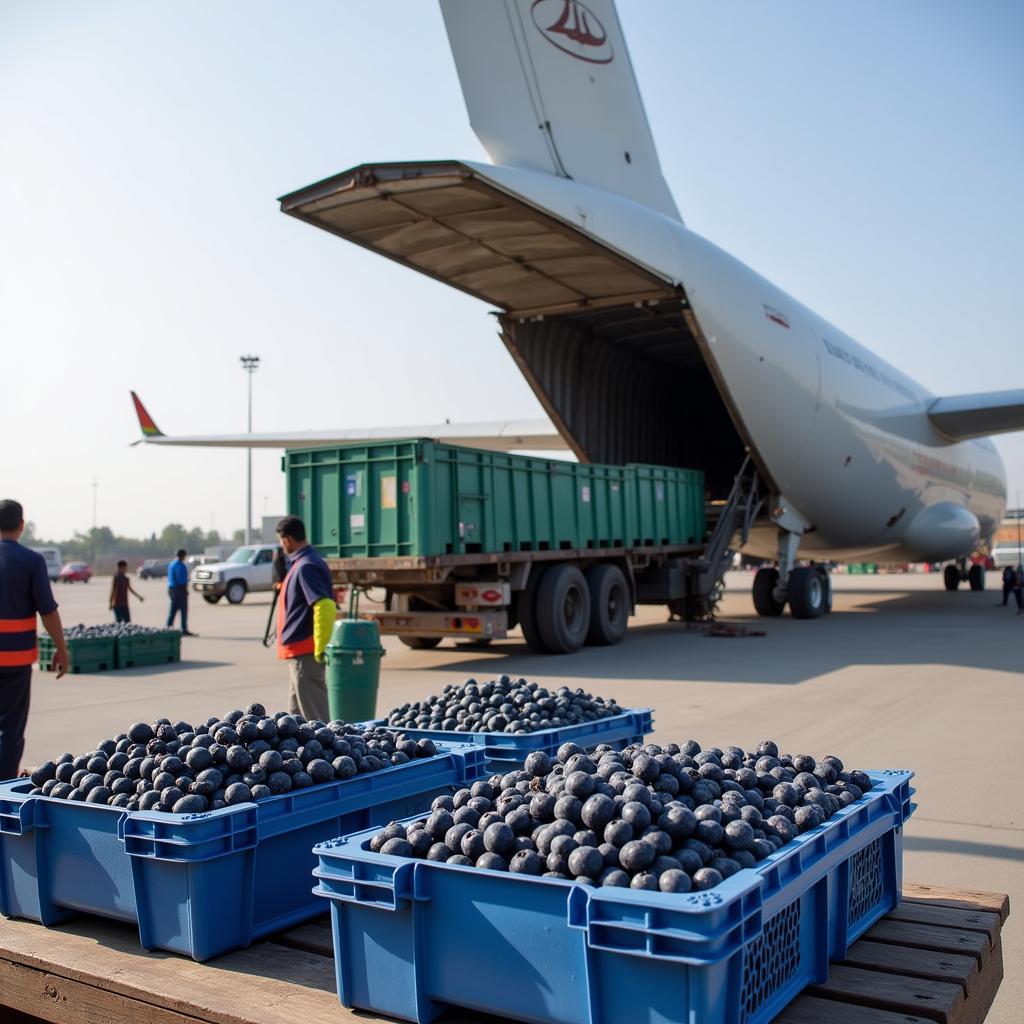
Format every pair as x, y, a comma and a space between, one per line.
420, 643
563, 609
527, 610
211, 598
765, 602
976, 576
236, 591
806, 591
609, 605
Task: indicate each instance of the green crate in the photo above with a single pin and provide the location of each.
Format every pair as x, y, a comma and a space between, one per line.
421, 498
85, 654
149, 649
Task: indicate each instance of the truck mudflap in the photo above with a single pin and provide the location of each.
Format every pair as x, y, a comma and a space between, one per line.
491, 625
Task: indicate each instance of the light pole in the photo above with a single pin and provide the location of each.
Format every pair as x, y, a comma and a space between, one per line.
250, 364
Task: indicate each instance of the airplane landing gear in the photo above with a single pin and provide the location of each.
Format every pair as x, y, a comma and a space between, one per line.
765, 601
976, 577
807, 589
951, 577
959, 572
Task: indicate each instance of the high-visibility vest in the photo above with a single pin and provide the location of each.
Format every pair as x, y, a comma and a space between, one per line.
18, 644
299, 647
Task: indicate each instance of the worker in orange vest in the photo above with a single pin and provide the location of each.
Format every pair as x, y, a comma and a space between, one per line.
24, 592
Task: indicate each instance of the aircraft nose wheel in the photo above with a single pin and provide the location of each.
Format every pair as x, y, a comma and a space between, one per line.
976, 577
951, 577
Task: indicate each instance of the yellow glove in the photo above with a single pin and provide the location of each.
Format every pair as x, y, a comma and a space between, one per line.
324, 612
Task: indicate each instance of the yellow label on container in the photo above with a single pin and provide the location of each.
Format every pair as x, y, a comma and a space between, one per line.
388, 492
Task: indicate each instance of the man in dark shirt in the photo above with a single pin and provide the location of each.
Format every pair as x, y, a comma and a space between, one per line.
177, 590
24, 593
305, 619
120, 588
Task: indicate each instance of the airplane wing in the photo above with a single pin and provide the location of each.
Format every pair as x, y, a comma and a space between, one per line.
499, 435
962, 417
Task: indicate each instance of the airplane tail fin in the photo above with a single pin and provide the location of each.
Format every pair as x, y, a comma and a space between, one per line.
549, 86
146, 423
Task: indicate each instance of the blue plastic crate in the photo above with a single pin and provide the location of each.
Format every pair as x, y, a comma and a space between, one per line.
413, 938
506, 752
200, 884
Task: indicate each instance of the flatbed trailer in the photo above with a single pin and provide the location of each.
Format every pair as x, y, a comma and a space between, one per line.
469, 544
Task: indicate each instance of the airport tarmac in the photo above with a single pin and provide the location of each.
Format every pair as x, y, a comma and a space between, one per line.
902, 674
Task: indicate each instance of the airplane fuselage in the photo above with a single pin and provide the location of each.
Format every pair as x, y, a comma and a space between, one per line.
842, 437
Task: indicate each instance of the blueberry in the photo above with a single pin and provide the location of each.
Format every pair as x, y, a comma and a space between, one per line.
397, 848
538, 764
635, 814
492, 862
739, 836
499, 838
709, 831
586, 860
472, 844
674, 881
526, 862
439, 852
637, 855
237, 793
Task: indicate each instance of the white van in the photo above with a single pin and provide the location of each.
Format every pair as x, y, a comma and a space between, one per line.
53, 560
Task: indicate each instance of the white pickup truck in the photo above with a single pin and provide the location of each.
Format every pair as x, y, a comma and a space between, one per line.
245, 570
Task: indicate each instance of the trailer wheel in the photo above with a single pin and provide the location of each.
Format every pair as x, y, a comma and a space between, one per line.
420, 643
609, 605
563, 609
765, 602
527, 611
806, 592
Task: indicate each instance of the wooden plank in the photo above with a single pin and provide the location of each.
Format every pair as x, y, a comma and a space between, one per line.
918, 963
986, 922
314, 937
983, 992
267, 983
812, 1010
962, 899
929, 936
935, 1000
48, 997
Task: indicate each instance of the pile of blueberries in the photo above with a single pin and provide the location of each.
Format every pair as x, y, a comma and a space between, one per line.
670, 818
246, 755
502, 705
108, 631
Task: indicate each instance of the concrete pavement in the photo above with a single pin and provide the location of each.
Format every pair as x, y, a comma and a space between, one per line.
901, 675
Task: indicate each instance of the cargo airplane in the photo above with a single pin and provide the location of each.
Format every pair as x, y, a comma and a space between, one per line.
643, 341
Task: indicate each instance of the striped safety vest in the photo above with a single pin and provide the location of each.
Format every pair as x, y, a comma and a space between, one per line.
18, 645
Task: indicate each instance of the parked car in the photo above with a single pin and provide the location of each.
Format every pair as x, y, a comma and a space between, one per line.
1005, 553
245, 570
153, 568
75, 572
51, 556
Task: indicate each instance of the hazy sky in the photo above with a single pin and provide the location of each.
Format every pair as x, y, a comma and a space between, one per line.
867, 157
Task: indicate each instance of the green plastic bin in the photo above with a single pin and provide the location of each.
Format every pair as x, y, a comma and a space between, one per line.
353, 670
149, 649
85, 654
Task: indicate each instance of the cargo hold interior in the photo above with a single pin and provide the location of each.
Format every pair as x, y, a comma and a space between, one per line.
605, 343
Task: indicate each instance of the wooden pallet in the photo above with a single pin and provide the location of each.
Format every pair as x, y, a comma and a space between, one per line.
936, 958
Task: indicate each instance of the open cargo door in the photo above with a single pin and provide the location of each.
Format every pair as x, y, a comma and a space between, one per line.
610, 347
445, 220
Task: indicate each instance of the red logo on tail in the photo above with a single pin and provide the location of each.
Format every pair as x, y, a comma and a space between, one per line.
574, 29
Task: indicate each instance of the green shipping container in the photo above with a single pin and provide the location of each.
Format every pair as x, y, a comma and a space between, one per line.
422, 498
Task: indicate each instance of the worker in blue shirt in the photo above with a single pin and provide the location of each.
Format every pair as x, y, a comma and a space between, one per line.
177, 589
24, 593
